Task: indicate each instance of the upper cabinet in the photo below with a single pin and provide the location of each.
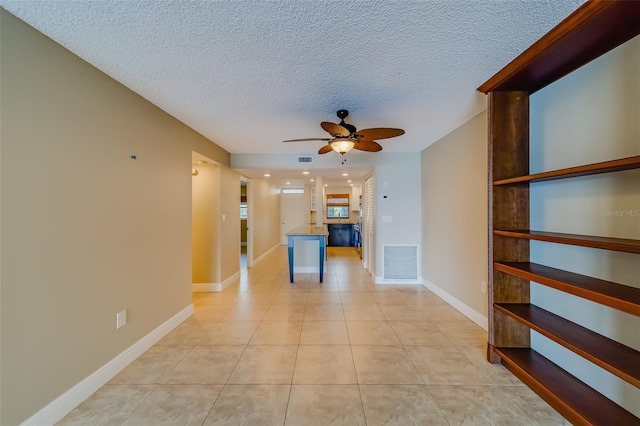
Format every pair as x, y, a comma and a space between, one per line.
337, 200
356, 192
314, 203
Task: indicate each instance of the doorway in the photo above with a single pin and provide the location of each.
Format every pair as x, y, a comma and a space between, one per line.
294, 211
246, 225
205, 223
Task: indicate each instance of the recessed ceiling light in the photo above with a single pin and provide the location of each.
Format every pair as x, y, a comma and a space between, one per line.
267, 175
312, 180
326, 184
345, 174
288, 183
305, 173
349, 181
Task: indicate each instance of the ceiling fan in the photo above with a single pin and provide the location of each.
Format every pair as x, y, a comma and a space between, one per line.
345, 137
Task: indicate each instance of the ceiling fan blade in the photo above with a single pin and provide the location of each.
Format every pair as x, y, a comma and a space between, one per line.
307, 139
334, 129
379, 133
368, 145
325, 149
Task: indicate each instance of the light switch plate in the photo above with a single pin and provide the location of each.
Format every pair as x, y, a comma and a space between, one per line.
121, 319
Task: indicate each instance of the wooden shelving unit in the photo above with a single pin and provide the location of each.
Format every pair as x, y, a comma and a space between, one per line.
617, 296
591, 31
608, 354
578, 402
605, 243
589, 169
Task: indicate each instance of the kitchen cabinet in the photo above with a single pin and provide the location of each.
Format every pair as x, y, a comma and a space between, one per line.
314, 205
340, 234
356, 192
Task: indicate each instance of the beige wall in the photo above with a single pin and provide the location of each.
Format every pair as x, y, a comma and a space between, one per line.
266, 216
86, 231
454, 213
205, 240
215, 224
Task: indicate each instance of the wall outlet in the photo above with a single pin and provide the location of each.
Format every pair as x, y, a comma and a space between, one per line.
121, 319
483, 286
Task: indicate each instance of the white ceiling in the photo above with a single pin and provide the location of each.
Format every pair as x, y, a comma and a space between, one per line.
248, 74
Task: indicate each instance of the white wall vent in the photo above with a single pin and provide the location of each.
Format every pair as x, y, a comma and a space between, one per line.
400, 262
305, 159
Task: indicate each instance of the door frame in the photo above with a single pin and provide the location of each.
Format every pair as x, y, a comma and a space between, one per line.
305, 210
249, 220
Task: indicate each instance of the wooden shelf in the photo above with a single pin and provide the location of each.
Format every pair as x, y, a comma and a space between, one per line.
614, 295
571, 397
605, 243
591, 31
590, 169
614, 357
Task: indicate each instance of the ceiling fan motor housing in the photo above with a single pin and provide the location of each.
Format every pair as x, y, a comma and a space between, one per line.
342, 114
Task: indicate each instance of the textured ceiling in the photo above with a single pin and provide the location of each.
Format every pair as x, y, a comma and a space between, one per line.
248, 74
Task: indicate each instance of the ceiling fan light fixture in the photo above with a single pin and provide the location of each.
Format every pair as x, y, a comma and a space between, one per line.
342, 145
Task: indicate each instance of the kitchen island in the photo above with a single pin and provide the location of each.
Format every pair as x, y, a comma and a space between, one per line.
308, 232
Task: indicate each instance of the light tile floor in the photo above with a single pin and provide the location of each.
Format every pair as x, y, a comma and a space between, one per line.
342, 352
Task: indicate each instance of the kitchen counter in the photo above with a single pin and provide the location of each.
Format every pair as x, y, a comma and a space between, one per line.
309, 230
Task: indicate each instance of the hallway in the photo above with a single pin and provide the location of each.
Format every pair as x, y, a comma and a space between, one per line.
344, 352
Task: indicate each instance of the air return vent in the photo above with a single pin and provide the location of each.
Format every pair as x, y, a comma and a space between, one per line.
400, 262
305, 159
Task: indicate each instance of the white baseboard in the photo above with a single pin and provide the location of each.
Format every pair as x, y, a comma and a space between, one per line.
214, 287
380, 280
233, 278
464, 309
266, 253
66, 402
206, 287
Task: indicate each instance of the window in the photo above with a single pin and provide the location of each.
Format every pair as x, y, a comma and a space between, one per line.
341, 212
337, 206
293, 190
